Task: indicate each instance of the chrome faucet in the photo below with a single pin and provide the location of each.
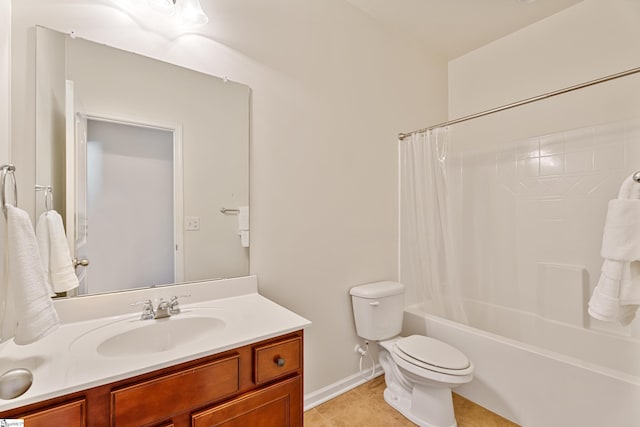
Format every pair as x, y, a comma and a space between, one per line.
164, 309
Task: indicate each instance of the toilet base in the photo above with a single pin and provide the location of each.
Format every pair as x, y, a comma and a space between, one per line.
434, 406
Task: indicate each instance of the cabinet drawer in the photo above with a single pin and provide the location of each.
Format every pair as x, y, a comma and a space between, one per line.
276, 359
172, 394
71, 414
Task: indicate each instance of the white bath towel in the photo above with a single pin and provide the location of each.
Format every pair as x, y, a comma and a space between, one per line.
33, 315
243, 225
54, 251
616, 297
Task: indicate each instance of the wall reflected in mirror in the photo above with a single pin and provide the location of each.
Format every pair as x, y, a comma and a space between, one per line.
141, 156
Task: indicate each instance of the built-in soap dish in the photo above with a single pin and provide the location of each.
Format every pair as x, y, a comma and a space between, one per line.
14, 383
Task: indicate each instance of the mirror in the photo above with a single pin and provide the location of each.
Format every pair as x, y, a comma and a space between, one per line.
147, 163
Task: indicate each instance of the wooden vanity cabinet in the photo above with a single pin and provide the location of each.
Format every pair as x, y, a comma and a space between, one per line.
71, 414
257, 384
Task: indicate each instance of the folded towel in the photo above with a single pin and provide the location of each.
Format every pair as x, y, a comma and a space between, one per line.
33, 315
243, 225
616, 297
54, 251
621, 236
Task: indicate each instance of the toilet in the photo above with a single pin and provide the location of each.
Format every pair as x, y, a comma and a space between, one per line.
419, 371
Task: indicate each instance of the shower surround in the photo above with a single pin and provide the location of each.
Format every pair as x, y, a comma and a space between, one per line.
528, 222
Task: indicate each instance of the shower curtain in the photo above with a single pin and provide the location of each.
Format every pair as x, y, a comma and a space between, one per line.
427, 252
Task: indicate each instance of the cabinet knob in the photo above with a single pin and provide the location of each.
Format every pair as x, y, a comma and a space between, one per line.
280, 361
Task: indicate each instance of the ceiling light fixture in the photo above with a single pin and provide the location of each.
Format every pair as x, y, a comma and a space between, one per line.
191, 10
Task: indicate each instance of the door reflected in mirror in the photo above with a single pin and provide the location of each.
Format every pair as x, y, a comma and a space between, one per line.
142, 156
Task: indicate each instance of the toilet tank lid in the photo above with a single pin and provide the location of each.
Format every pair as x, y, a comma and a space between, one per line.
377, 289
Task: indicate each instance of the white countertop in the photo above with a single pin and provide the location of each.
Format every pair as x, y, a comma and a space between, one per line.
65, 362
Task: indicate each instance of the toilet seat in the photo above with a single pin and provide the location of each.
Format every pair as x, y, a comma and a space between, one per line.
433, 355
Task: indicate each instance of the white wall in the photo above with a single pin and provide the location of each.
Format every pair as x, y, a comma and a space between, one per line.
5, 73
330, 91
589, 40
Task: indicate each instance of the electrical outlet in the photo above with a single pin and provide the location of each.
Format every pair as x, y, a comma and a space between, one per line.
192, 223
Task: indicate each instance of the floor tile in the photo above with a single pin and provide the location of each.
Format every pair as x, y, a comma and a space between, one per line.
364, 406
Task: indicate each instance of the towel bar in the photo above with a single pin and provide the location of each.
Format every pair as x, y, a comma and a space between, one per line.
231, 211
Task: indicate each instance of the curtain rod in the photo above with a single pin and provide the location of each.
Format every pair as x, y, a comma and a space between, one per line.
402, 136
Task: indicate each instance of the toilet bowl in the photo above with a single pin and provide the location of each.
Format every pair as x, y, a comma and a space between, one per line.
419, 371
419, 383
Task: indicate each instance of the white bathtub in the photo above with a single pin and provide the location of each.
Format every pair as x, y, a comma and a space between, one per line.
535, 387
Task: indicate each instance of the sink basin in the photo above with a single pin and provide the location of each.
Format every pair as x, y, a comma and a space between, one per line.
143, 337
162, 335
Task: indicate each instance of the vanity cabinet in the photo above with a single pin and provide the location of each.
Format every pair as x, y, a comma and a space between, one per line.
257, 384
71, 414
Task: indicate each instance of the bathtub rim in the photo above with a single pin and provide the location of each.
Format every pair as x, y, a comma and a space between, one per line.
418, 309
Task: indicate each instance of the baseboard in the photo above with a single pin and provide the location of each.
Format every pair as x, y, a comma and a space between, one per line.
315, 398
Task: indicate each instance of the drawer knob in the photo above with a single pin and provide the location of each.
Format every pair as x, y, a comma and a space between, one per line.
280, 361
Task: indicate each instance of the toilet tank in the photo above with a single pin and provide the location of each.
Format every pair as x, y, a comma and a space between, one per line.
378, 309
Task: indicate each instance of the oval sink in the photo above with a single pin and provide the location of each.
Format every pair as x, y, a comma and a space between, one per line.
161, 335
142, 337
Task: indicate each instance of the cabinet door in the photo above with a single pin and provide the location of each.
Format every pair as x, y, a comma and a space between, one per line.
71, 414
279, 405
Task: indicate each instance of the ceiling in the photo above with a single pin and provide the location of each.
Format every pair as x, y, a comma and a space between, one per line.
455, 27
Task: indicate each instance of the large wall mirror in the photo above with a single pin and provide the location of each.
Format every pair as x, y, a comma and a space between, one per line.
146, 162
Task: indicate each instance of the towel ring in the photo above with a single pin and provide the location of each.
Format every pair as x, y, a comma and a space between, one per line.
8, 170
48, 196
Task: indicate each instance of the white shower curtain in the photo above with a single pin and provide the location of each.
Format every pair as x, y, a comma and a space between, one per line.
427, 252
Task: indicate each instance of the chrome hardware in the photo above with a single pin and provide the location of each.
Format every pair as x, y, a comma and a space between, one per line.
163, 309
14, 383
8, 170
147, 309
280, 361
229, 211
174, 306
80, 262
636, 177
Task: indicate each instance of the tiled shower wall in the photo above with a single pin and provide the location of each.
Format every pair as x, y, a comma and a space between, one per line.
530, 215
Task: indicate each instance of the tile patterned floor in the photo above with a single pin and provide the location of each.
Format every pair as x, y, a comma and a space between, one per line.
364, 406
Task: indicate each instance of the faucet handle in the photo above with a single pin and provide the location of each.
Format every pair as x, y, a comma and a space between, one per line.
174, 307
147, 309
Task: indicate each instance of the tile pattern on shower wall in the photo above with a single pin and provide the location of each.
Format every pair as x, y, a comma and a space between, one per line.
540, 200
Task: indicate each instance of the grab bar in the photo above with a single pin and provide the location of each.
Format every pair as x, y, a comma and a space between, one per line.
8, 170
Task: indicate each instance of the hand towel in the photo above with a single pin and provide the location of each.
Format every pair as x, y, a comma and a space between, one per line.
42, 239
616, 297
54, 251
243, 225
28, 293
